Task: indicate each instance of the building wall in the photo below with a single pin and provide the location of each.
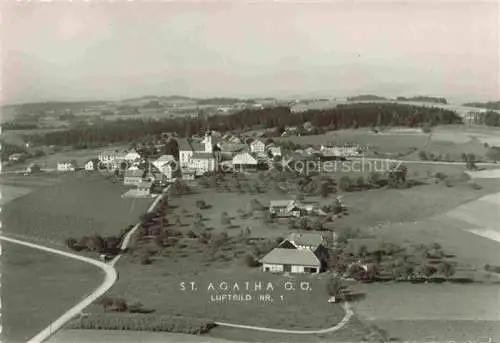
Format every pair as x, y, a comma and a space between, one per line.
273, 268
184, 157
132, 180
257, 147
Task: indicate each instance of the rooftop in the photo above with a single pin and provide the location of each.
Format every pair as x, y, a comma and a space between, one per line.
291, 256
306, 239
279, 203
134, 173
202, 155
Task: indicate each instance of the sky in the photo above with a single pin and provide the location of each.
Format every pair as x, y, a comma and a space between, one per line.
103, 50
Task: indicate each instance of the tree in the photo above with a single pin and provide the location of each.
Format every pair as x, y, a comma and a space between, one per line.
201, 204
422, 155
446, 269
225, 219
345, 183
71, 243
494, 153
426, 128
324, 190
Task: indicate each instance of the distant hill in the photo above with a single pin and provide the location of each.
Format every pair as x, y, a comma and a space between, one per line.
365, 97
490, 105
423, 98
27, 110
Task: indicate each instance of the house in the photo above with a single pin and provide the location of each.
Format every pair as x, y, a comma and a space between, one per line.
66, 166
133, 177
298, 240
244, 160
32, 168
257, 146
307, 253
274, 151
132, 156
291, 261
167, 166
92, 164
202, 162
284, 208
144, 187
16, 157
188, 174
111, 158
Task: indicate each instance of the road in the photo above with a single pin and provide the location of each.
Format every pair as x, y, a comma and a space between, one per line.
112, 276
109, 280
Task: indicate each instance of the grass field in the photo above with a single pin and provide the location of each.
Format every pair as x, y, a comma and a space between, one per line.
449, 140
433, 312
159, 288
77, 205
38, 287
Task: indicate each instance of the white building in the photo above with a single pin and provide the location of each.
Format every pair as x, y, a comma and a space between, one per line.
199, 157
298, 253
167, 166
111, 158
66, 166
274, 151
244, 160
92, 165
257, 146
291, 260
132, 156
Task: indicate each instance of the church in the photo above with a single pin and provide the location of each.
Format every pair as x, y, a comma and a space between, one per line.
199, 157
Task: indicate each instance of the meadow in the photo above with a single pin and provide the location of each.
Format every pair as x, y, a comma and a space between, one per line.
78, 205
38, 287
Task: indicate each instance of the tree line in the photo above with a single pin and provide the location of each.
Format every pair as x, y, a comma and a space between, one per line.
488, 118
343, 116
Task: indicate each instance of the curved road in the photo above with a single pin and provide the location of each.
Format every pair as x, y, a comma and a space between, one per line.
109, 280
112, 276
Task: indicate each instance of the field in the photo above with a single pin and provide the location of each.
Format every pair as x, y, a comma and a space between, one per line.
37, 287
433, 312
449, 140
77, 205
160, 289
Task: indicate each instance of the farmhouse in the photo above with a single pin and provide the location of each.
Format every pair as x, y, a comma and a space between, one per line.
66, 166
310, 241
284, 208
244, 160
257, 146
92, 164
133, 177
291, 261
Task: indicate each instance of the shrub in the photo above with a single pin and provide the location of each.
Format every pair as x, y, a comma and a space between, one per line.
345, 183
145, 258
422, 155
71, 243
475, 186
251, 260
426, 128
440, 176
139, 322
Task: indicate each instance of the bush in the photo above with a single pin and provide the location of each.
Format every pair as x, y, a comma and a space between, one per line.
71, 243
475, 186
345, 183
140, 322
422, 155
251, 260
426, 128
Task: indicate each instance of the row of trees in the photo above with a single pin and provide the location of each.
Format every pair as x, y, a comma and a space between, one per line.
343, 116
488, 118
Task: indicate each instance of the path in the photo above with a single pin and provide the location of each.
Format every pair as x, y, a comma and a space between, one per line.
340, 325
109, 280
